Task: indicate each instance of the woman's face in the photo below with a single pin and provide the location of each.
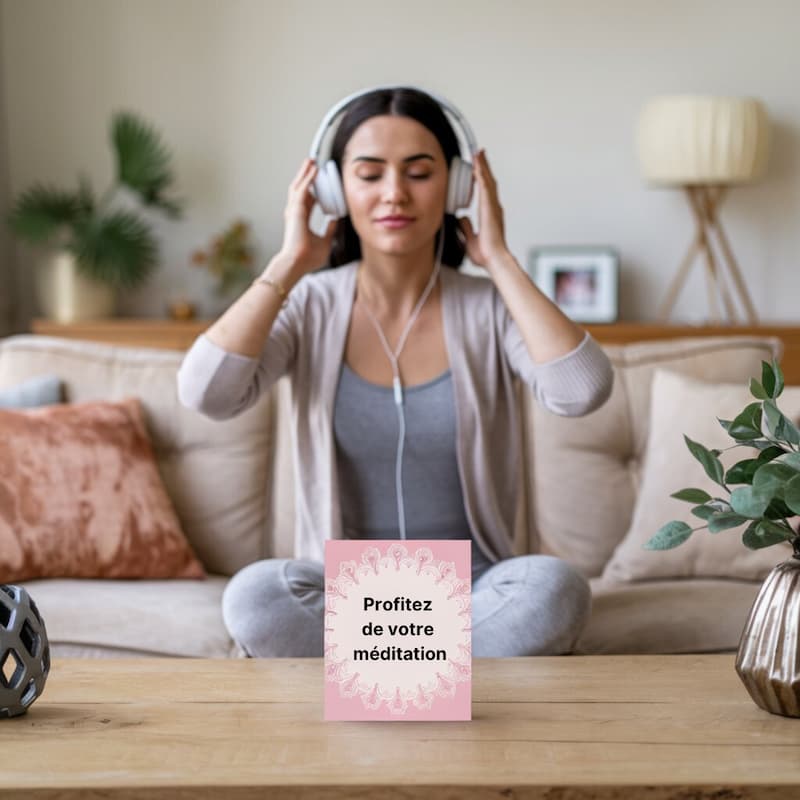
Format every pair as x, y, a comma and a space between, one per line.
393, 166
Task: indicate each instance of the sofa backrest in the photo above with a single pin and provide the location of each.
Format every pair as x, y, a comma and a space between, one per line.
585, 472
232, 482
215, 472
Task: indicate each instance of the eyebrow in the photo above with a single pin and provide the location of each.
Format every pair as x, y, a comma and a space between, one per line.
374, 160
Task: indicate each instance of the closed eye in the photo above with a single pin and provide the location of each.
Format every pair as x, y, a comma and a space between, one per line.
413, 177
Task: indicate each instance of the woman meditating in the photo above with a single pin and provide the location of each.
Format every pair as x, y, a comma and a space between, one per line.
402, 369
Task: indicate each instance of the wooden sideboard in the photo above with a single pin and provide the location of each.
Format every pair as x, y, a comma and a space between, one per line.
165, 334
174, 335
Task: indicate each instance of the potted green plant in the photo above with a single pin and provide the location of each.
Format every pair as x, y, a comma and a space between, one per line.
98, 244
765, 498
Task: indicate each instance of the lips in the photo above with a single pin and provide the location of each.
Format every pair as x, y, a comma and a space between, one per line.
395, 221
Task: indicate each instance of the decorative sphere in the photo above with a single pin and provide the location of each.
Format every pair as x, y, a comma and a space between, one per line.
24, 651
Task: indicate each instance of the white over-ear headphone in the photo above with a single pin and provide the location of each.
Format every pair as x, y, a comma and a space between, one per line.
328, 187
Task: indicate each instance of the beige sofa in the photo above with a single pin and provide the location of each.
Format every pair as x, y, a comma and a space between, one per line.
232, 485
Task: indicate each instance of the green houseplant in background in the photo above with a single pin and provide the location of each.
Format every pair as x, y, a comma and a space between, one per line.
99, 244
765, 498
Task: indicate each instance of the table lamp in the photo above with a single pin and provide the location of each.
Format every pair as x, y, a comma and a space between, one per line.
705, 144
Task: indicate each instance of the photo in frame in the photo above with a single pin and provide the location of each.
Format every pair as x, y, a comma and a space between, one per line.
582, 281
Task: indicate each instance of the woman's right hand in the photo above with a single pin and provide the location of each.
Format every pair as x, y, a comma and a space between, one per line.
300, 244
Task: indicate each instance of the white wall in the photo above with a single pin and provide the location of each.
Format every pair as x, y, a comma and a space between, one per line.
552, 90
7, 283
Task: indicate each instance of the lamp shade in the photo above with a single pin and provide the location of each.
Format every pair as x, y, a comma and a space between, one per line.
698, 139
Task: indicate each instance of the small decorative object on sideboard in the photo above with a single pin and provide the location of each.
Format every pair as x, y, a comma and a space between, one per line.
229, 258
24, 651
581, 281
766, 498
98, 244
181, 310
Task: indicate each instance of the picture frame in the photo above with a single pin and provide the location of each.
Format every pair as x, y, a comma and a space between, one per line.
583, 281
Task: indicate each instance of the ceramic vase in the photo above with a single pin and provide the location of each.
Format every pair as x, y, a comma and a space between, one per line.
65, 294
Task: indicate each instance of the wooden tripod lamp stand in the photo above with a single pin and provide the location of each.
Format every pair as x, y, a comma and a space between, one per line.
704, 145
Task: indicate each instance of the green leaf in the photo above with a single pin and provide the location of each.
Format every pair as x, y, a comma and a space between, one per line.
692, 495
757, 390
143, 161
772, 476
742, 471
749, 502
41, 211
668, 536
767, 379
779, 382
772, 452
725, 520
791, 459
791, 494
772, 378
703, 512
117, 249
764, 534
726, 423
747, 425
719, 505
711, 464
780, 426
777, 509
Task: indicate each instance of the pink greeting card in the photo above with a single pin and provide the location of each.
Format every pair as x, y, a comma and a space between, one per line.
398, 629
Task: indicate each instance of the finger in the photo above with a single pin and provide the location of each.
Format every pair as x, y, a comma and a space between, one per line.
303, 171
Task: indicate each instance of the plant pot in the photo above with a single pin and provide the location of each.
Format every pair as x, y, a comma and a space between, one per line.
768, 659
65, 294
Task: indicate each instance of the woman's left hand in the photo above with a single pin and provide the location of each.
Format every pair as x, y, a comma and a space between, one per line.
490, 241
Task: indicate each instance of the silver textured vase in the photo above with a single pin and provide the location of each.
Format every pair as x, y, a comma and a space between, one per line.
768, 659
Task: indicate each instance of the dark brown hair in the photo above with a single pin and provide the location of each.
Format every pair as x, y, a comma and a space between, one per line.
405, 102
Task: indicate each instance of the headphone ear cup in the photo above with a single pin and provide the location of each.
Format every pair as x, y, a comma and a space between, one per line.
459, 187
329, 191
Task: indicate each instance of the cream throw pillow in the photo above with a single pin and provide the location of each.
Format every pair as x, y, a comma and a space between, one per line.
682, 405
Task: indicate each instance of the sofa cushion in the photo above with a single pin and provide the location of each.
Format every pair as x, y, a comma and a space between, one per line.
674, 616
165, 618
682, 405
584, 472
216, 473
42, 390
81, 497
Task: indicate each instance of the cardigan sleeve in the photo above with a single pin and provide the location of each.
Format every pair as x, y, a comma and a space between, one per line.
222, 384
571, 385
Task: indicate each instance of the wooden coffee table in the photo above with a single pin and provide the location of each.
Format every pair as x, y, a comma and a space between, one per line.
561, 727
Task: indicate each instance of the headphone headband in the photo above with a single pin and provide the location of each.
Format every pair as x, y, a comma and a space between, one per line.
443, 102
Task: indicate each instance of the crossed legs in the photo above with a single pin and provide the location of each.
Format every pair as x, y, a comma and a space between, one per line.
523, 606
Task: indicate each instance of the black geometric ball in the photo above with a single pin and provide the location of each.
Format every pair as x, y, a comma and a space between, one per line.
24, 651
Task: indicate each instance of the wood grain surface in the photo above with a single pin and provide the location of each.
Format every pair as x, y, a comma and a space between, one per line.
562, 728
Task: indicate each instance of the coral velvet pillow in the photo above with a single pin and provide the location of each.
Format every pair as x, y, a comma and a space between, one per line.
81, 497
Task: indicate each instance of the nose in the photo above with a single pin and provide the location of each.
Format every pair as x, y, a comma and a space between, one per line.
394, 187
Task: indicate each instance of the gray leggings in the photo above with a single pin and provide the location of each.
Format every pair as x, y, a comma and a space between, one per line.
523, 606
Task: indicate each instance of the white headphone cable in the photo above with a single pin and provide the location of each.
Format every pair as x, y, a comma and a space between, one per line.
397, 384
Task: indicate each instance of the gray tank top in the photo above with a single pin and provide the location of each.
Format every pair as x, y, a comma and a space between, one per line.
366, 428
